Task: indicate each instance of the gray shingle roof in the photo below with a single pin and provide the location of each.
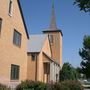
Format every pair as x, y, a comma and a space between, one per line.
36, 42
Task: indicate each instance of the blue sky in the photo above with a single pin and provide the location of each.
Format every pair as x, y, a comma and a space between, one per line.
73, 23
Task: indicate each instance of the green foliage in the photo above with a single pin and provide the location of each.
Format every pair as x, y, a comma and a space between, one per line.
72, 85
57, 86
83, 5
68, 72
3, 87
66, 85
78, 70
85, 55
25, 85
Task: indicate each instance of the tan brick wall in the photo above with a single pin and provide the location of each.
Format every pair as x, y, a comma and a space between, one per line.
56, 47
46, 49
40, 60
31, 68
9, 53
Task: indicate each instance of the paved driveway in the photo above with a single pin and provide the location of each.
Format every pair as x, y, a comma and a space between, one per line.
86, 89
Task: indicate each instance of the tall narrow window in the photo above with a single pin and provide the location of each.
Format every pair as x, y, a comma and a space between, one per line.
33, 57
17, 38
51, 39
46, 68
14, 72
10, 7
0, 24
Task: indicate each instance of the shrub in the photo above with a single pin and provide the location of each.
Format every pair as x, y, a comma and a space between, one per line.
65, 85
3, 87
31, 85
72, 85
50, 86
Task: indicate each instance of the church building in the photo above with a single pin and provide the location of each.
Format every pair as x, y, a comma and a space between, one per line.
45, 53
27, 57
13, 43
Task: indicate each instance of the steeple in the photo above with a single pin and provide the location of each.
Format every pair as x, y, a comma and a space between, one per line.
55, 38
53, 25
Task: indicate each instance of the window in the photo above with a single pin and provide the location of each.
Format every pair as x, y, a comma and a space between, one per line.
10, 7
33, 56
46, 68
17, 38
51, 39
14, 72
56, 77
0, 24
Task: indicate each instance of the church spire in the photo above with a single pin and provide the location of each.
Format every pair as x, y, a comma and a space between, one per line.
53, 25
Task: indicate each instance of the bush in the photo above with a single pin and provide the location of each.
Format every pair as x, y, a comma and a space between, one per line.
3, 87
31, 85
72, 85
65, 85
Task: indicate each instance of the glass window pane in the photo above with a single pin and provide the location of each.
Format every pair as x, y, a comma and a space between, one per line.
33, 56
51, 38
0, 24
17, 38
10, 7
14, 72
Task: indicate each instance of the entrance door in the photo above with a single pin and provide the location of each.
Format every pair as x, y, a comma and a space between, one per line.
46, 72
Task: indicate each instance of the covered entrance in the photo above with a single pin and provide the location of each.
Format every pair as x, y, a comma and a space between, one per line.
46, 77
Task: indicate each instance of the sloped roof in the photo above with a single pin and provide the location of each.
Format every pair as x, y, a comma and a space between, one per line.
51, 59
23, 18
36, 42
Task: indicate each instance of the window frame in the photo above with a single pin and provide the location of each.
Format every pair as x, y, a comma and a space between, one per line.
15, 72
0, 25
51, 39
33, 57
10, 8
46, 68
17, 38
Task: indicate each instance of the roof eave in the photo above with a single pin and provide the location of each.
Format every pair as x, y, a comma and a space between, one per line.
23, 18
51, 59
53, 31
33, 52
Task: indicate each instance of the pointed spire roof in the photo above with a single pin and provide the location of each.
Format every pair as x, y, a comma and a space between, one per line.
53, 25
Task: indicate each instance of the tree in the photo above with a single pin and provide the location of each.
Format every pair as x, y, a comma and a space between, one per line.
68, 72
79, 74
84, 5
85, 55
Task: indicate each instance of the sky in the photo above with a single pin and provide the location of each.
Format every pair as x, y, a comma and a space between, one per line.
73, 23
